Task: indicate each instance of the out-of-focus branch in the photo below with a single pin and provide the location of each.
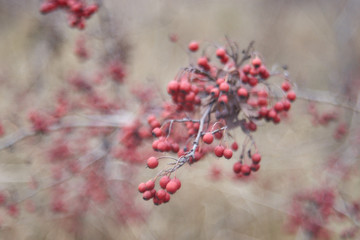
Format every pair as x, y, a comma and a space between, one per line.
113, 121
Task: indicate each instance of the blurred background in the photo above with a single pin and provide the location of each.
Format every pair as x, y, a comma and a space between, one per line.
318, 41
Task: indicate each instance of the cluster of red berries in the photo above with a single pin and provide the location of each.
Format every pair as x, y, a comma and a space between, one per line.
231, 94
78, 10
168, 186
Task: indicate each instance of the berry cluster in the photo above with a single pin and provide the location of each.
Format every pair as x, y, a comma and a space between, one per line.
210, 98
77, 9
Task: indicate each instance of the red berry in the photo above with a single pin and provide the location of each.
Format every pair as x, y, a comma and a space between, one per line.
147, 195
220, 81
237, 167
272, 114
175, 147
203, 62
166, 198
161, 146
150, 185
262, 93
246, 69
219, 151
157, 201
245, 169
252, 126
262, 101
256, 158
234, 146
223, 99
256, 62
142, 187
287, 105
279, 106
254, 167
228, 153
185, 86
263, 112
254, 71
208, 138
160, 194
177, 182
220, 53
224, 87
242, 92
172, 187
291, 95
173, 87
164, 180
152, 162
215, 92
285, 86
157, 132
253, 81
193, 46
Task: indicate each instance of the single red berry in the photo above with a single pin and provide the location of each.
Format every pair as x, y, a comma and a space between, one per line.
164, 180
150, 185
224, 87
276, 119
262, 101
253, 81
185, 86
263, 112
160, 194
219, 81
193, 46
161, 146
152, 162
252, 126
237, 167
219, 151
177, 182
242, 92
279, 106
208, 138
203, 62
285, 86
256, 158
254, 72
245, 169
157, 132
173, 87
254, 167
223, 99
147, 195
287, 105
215, 92
256, 62
262, 93
172, 187
224, 60
142, 187
220, 53
291, 95
175, 147
272, 114
218, 135
234, 146
264, 73
228, 153
166, 198
157, 201
246, 69
151, 118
